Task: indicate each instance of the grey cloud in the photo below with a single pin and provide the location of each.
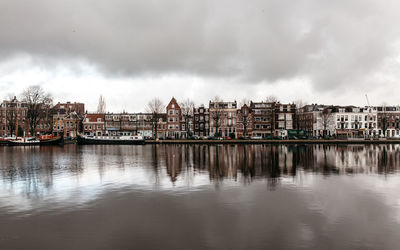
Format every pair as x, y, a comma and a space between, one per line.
331, 42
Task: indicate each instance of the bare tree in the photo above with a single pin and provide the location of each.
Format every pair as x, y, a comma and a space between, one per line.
187, 107
271, 98
299, 105
156, 108
35, 98
384, 120
326, 119
216, 113
46, 114
244, 101
11, 115
101, 107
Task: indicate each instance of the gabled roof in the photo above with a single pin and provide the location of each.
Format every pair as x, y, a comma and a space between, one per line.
93, 117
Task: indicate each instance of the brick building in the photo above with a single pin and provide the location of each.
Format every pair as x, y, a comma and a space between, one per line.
263, 118
174, 116
388, 121
245, 121
69, 107
13, 118
284, 118
94, 124
201, 121
223, 118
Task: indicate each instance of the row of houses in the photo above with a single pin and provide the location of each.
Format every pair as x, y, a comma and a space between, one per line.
220, 118
61, 119
349, 121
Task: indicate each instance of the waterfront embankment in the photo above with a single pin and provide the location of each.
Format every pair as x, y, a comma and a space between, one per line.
273, 141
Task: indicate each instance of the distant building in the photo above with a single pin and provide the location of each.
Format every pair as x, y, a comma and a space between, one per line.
94, 124
131, 124
284, 118
388, 121
201, 121
69, 107
245, 121
223, 118
174, 115
13, 118
263, 118
351, 121
67, 118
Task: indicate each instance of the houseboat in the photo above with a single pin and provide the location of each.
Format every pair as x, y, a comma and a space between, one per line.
115, 139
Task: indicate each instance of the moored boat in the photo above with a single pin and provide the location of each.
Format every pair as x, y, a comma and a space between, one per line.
50, 140
125, 140
4, 140
24, 141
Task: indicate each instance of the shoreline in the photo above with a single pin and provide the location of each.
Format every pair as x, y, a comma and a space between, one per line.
249, 142
336, 141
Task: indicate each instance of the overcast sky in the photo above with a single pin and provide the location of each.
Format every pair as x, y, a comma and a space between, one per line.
331, 52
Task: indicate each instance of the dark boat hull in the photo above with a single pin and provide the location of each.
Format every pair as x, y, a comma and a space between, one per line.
83, 141
13, 143
54, 141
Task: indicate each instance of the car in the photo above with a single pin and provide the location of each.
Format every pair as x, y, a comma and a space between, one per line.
193, 137
227, 138
257, 137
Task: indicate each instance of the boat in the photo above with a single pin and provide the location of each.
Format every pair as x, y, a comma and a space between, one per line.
118, 139
51, 140
4, 140
24, 141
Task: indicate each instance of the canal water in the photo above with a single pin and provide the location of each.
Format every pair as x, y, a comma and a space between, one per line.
200, 197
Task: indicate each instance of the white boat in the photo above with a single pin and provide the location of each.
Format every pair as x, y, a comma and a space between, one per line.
24, 141
117, 139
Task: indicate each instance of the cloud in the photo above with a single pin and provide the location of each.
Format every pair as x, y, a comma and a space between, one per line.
334, 44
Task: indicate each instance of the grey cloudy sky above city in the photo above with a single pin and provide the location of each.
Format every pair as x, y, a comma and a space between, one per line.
331, 52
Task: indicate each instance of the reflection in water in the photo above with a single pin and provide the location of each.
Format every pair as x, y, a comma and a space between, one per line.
218, 196
51, 172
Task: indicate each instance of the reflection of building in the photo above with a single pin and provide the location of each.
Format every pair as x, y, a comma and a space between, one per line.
201, 121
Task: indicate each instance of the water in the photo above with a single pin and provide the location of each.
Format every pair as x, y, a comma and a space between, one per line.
200, 197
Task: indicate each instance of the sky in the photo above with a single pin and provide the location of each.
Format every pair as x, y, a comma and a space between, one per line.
331, 52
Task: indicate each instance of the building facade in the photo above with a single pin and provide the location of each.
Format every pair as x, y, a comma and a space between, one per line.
201, 121
223, 118
284, 118
263, 118
13, 118
245, 120
94, 124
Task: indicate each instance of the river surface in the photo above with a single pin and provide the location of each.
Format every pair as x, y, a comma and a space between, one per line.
200, 197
